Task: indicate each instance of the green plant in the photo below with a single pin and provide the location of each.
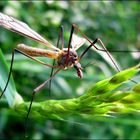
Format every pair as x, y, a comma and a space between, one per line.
100, 99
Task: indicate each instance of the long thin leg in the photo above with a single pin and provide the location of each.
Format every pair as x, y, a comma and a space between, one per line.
86, 50
112, 58
33, 94
105, 50
50, 82
11, 66
60, 38
69, 44
102, 45
93, 45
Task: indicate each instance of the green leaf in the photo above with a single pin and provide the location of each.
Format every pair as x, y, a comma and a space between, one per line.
11, 94
101, 99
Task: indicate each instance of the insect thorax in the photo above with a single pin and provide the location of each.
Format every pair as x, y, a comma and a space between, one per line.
67, 60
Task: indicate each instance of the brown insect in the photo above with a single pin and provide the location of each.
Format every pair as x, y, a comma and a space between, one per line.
65, 57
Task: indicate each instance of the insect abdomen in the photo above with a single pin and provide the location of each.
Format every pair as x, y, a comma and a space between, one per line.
37, 51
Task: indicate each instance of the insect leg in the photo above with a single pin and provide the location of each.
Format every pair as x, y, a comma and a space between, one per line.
50, 82
69, 44
11, 66
111, 58
105, 50
60, 38
37, 89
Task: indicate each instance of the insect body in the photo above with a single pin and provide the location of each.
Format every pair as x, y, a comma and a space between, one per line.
61, 56
65, 57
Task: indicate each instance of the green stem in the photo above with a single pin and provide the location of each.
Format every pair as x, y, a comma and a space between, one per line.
100, 99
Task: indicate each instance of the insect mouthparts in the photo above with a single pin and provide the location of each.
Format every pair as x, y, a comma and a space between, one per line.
79, 70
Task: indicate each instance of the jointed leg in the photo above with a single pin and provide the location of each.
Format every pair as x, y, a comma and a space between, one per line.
92, 44
33, 94
69, 44
111, 58
60, 38
84, 36
11, 66
50, 82
104, 48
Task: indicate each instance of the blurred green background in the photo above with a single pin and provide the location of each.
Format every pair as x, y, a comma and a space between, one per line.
116, 23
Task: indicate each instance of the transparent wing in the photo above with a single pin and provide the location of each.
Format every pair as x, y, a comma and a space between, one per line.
77, 42
19, 27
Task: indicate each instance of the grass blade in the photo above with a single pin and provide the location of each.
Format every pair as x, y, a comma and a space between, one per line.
101, 99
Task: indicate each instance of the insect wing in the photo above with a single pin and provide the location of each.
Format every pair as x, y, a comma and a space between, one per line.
77, 41
19, 27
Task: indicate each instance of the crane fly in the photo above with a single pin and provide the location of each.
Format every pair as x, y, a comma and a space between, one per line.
65, 57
